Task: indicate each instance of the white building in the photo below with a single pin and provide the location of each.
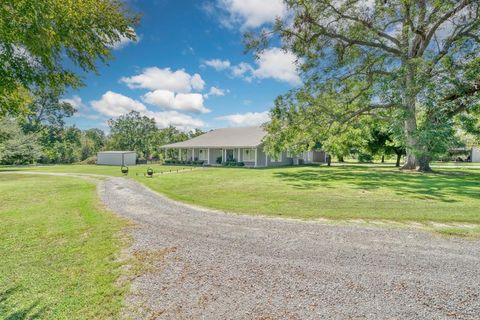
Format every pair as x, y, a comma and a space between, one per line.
117, 158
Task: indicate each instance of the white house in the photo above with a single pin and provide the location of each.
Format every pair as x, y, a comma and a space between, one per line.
238, 144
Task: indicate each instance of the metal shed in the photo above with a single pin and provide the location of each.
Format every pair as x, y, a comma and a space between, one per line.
117, 158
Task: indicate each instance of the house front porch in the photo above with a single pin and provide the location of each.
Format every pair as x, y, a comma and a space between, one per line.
251, 157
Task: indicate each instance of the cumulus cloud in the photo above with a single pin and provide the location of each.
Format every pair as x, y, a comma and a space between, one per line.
273, 63
114, 104
214, 91
154, 78
218, 64
241, 69
75, 101
124, 41
277, 64
189, 102
173, 118
246, 119
251, 13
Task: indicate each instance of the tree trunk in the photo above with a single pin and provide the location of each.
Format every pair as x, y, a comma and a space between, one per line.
399, 157
383, 158
424, 164
410, 124
340, 159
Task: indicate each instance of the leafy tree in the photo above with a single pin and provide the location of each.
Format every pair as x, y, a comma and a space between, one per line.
15, 146
46, 109
382, 143
39, 39
97, 136
61, 145
413, 62
133, 132
166, 136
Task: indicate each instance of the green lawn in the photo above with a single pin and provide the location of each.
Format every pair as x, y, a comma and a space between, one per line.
311, 192
347, 192
94, 169
58, 250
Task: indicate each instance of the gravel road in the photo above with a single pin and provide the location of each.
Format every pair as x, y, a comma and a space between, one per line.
207, 265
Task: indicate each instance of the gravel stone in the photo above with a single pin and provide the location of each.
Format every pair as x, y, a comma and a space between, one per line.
224, 266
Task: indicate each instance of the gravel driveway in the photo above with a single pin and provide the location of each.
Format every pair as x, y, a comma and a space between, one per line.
207, 265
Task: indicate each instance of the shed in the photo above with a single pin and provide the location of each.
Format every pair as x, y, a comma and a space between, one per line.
475, 154
117, 158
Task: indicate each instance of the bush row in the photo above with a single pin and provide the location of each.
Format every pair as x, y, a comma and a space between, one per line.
233, 164
186, 162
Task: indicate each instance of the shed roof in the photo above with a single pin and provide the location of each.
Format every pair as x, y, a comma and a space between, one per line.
119, 152
225, 137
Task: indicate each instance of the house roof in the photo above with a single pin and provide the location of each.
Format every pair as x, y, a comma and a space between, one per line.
225, 137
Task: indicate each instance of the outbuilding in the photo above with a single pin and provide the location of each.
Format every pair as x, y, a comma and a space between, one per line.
117, 158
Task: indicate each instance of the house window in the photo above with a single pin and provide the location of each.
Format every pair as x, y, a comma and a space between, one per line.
277, 157
203, 154
248, 155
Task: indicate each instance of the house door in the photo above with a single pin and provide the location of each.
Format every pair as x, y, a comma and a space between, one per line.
229, 154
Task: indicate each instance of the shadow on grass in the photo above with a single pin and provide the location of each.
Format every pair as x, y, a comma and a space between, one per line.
7, 303
443, 186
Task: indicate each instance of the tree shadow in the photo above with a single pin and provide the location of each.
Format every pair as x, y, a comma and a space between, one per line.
435, 186
7, 300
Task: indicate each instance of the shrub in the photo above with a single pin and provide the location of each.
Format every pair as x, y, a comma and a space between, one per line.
240, 164
89, 160
219, 160
362, 157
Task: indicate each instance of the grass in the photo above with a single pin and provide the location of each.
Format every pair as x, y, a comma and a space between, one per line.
59, 250
347, 192
451, 195
94, 169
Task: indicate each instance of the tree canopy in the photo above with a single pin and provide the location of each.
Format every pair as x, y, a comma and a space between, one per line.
412, 63
40, 39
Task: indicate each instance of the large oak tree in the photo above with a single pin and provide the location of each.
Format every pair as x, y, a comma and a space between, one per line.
413, 63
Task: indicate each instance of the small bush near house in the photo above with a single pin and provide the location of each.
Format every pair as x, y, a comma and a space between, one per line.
219, 160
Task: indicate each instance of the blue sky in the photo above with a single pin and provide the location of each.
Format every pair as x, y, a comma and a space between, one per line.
189, 68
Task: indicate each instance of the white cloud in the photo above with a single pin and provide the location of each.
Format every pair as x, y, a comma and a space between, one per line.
154, 78
218, 64
273, 63
277, 64
75, 101
241, 69
114, 104
174, 118
246, 119
252, 13
189, 102
214, 91
124, 41
81, 110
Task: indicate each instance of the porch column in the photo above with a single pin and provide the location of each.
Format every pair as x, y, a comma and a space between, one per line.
255, 157
166, 153
208, 156
179, 154
238, 158
193, 154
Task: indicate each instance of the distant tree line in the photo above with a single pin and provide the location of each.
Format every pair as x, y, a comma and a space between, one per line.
42, 136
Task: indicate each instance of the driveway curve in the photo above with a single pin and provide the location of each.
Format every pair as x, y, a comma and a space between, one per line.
207, 265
